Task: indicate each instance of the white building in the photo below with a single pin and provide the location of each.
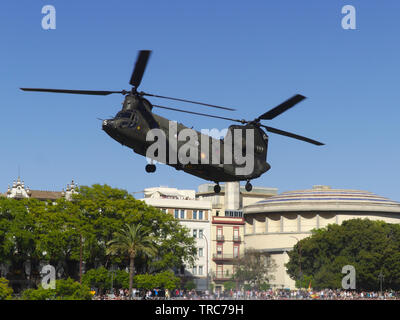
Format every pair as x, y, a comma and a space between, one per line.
195, 215
227, 225
276, 224
20, 191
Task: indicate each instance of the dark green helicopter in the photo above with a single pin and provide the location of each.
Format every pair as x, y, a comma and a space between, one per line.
133, 123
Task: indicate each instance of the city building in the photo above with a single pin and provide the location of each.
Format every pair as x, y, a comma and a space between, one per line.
195, 215
276, 224
20, 191
227, 225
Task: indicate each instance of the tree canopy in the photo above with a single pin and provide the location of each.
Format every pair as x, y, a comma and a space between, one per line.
369, 246
51, 232
254, 269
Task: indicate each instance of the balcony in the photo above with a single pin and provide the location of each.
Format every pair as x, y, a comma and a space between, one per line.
237, 238
220, 237
222, 276
225, 257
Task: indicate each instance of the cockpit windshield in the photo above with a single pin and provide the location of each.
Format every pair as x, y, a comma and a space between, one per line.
123, 114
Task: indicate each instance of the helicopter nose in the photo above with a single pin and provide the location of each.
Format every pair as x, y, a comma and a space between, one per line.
108, 125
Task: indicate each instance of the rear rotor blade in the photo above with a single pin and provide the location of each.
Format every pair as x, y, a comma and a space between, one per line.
140, 67
271, 114
90, 92
200, 114
292, 135
184, 100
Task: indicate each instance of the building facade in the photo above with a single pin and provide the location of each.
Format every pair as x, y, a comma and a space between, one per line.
20, 191
227, 225
276, 224
195, 215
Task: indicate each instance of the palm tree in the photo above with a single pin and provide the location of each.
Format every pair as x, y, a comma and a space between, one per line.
130, 241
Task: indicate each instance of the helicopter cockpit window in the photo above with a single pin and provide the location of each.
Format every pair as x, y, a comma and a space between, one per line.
123, 114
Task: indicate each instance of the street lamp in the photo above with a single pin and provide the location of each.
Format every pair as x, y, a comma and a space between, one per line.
80, 258
381, 277
300, 272
204, 237
113, 272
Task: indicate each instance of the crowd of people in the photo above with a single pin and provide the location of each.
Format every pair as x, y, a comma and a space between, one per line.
276, 294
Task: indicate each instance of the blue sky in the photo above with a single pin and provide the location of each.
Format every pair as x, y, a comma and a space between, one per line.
248, 55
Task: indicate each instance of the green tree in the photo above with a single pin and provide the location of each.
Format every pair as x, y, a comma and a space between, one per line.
304, 282
33, 232
189, 285
106, 210
229, 285
254, 269
103, 279
5, 291
167, 280
131, 241
369, 246
65, 290
145, 281
17, 236
97, 278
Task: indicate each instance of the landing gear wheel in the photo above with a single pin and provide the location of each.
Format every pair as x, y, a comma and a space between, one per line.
248, 186
217, 188
150, 168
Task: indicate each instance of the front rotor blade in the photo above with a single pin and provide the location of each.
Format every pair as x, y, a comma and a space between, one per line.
292, 135
90, 92
184, 100
200, 114
140, 66
271, 114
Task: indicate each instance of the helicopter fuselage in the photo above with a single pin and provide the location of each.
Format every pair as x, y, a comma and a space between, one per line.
133, 125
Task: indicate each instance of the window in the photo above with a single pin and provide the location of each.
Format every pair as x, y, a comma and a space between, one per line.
200, 270
220, 236
236, 251
200, 214
194, 233
194, 270
236, 236
195, 214
220, 270
201, 233
176, 213
123, 114
234, 213
182, 214
200, 252
219, 250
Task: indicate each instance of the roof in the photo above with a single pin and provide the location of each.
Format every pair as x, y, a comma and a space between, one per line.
45, 195
324, 198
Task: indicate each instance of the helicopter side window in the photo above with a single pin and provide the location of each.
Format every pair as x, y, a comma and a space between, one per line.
133, 120
124, 124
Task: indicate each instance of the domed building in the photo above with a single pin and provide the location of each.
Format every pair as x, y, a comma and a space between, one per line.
276, 224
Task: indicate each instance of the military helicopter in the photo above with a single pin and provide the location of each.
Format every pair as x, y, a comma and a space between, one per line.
132, 124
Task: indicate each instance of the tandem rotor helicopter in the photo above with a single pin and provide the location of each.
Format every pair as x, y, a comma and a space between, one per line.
132, 123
